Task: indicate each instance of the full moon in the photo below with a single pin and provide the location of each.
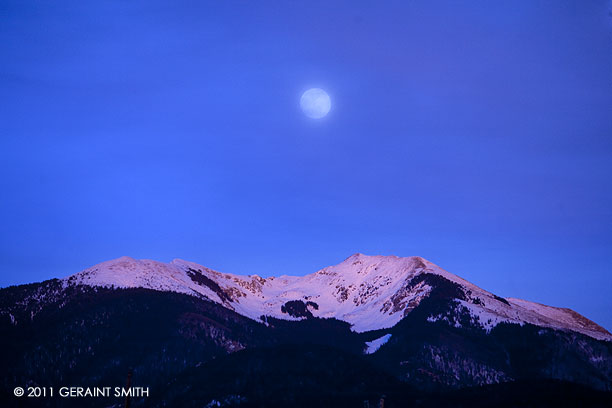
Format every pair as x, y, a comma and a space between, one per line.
315, 103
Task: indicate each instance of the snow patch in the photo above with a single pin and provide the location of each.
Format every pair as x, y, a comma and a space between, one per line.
374, 345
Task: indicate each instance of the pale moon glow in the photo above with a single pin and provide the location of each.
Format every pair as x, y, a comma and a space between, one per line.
315, 103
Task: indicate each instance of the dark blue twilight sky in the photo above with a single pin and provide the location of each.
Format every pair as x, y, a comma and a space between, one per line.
476, 134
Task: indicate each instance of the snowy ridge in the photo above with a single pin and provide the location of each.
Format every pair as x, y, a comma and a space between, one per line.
369, 292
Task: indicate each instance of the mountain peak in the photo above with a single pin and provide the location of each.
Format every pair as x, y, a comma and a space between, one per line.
359, 255
368, 291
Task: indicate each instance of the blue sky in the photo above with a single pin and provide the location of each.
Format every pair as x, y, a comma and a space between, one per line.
475, 134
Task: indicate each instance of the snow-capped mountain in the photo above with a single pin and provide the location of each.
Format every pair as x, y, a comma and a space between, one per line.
380, 323
369, 292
